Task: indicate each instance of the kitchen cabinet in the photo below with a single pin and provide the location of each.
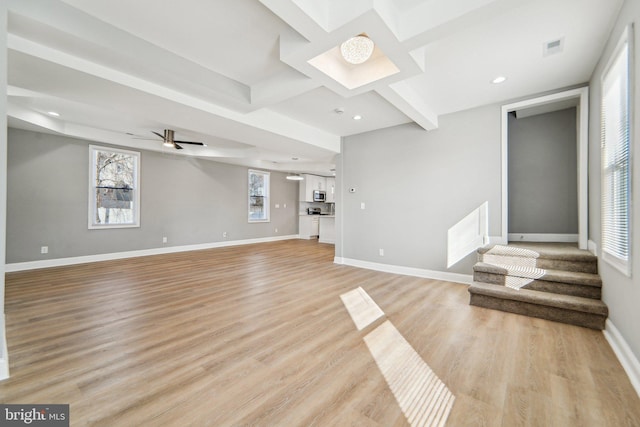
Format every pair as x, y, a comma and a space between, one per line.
331, 190
327, 233
308, 226
309, 185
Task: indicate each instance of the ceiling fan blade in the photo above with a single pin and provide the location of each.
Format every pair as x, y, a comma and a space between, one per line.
156, 133
190, 142
177, 146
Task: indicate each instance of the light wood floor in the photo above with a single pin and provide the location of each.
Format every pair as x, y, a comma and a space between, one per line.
258, 335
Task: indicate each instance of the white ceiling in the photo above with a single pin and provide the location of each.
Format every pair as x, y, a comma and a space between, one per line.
235, 74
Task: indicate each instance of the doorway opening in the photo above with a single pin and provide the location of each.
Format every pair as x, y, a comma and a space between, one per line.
544, 182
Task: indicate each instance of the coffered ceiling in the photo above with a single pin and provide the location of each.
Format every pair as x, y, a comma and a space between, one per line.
243, 75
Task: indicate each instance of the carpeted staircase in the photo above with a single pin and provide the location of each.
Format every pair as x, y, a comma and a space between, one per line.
551, 281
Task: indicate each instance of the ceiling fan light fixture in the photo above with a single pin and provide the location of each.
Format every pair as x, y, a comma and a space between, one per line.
168, 144
295, 177
357, 49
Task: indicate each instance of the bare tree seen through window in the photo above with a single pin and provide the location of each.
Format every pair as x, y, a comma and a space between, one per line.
258, 196
114, 180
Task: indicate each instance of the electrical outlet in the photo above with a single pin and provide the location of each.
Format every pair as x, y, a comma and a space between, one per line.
44, 249
224, 234
276, 230
164, 240
381, 252
277, 206
361, 205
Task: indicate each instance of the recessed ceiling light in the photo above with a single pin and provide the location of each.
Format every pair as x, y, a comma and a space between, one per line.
498, 80
53, 113
357, 117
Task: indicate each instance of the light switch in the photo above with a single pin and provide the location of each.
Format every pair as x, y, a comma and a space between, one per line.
361, 205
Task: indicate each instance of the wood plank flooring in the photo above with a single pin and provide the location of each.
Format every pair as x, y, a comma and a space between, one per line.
258, 335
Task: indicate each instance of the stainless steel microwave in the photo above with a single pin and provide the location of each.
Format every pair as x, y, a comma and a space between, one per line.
319, 196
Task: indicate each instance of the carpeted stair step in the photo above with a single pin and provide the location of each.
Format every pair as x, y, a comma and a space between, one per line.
540, 256
569, 309
587, 285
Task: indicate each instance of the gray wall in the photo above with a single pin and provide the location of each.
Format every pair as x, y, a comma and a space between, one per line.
190, 201
543, 186
620, 292
415, 186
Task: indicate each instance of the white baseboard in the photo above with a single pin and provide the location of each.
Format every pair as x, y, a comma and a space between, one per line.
466, 279
58, 262
543, 237
627, 359
592, 247
498, 240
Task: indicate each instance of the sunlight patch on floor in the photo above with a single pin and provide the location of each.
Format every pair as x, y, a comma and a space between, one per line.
423, 398
361, 307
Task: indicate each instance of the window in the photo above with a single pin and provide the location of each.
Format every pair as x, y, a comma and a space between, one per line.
258, 196
114, 193
616, 173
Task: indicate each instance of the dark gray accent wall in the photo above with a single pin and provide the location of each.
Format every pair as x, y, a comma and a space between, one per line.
621, 293
415, 186
188, 200
543, 186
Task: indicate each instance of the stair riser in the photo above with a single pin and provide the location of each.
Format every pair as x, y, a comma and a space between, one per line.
587, 320
541, 285
544, 263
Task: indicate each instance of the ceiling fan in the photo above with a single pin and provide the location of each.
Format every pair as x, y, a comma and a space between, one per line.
168, 141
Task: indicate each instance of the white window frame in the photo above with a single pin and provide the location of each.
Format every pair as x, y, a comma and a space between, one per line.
266, 196
93, 150
616, 238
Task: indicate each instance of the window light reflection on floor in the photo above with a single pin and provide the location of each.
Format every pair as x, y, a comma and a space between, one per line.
362, 309
423, 398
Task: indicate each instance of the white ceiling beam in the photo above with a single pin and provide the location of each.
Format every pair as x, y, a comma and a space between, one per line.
260, 119
404, 98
